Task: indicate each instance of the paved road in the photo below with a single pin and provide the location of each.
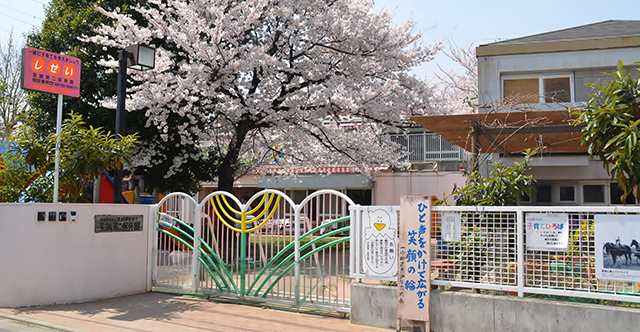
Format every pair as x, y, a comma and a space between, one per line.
159, 312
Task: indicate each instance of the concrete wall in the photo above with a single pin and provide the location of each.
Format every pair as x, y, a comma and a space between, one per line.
390, 187
375, 305
51, 262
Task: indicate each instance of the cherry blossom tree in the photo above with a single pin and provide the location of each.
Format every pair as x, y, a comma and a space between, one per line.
265, 73
457, 87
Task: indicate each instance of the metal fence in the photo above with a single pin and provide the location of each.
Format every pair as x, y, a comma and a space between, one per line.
296, 253
427, 147
300, 253
492, 254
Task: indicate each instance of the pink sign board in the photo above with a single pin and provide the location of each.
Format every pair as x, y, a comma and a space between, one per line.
50, 72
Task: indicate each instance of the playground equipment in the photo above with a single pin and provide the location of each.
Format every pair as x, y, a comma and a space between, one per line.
107, 188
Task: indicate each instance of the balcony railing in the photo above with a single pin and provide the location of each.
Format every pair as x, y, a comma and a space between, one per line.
428, 147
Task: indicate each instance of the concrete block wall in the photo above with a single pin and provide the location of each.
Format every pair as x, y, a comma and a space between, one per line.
375, 305
55, 262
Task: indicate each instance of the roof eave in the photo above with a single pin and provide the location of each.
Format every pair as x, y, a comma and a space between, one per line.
558, 46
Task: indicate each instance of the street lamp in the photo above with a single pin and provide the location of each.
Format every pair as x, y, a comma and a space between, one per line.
139, 57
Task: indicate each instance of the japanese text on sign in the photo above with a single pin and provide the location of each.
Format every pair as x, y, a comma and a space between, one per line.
50, 72
414, 275
547, 231
380, 224
110, 223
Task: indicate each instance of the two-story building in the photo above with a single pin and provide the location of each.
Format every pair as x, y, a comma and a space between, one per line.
526, 87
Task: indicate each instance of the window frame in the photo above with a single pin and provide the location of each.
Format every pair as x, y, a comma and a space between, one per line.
551, 194
541, 77
576, 193
606, 196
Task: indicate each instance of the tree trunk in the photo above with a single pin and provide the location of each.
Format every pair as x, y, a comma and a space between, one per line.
229, 164
225, 176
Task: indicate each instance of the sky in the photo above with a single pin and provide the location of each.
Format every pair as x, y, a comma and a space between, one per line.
461, 23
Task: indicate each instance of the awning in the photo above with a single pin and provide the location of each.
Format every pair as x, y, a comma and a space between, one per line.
509, 132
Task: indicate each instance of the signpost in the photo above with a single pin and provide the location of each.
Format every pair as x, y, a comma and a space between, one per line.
52, 73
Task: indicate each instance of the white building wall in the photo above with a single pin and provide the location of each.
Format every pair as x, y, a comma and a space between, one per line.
390, 187
67, 262
491, 68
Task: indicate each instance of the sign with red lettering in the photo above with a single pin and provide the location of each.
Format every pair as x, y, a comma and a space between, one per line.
50, 72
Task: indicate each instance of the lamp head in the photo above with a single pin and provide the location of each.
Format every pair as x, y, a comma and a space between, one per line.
141, 57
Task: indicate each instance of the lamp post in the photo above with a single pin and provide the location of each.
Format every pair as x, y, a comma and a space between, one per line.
139, 57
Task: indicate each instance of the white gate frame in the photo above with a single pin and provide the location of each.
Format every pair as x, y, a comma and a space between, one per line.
197, 212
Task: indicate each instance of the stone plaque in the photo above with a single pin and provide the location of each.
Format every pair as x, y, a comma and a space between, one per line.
106, 223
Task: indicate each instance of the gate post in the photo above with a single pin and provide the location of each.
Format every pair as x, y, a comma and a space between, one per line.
197, 231
152, 245
520, 250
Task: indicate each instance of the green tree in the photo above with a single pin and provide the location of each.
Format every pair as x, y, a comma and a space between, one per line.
15, 175
67, 20
85, 152
611, 118
505, 186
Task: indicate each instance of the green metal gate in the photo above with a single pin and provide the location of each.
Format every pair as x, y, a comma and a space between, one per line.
268, 248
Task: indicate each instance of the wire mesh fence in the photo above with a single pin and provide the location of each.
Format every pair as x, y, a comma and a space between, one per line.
493, 254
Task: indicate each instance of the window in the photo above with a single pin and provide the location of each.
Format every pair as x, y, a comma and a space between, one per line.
297, 195
566, 193
593, 194
532, 89
360, 196
616, 195
543, 194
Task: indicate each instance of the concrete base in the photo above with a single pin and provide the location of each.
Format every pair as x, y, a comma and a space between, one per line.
375, 305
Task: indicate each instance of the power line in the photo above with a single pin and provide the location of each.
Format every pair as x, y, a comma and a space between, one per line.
10, 32
38, 2
17, 19
19, 11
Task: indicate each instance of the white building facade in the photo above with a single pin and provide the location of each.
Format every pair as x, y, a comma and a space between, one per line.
552, 70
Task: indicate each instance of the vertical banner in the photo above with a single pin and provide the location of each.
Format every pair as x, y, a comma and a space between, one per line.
414, 273
380, 242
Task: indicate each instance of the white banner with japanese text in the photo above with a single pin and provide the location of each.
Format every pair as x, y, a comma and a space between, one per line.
547, 231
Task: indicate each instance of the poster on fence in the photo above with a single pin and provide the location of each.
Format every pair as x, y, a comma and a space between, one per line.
414, 272
451, 228
547, 231
617, 248
380, 241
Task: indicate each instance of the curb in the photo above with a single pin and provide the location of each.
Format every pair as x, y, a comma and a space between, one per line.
38, 323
